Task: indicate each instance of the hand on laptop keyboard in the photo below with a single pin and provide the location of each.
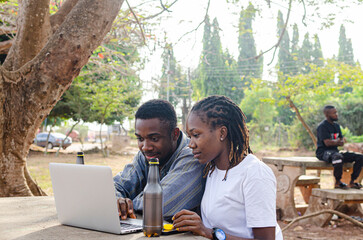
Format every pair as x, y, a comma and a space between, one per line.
125, 208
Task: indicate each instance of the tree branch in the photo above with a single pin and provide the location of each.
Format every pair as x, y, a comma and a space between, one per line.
342, 215
205, 17
138, 22
4, 46
292, 105
33, 32
163, 6
276, 45
303, 19
159, 13
57, 19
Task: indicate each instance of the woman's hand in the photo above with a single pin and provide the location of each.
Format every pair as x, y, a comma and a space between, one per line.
190, 221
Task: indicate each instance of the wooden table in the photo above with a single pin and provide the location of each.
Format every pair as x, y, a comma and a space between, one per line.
287, 171
36, 218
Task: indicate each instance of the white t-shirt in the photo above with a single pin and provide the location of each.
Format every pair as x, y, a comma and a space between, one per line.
245, 200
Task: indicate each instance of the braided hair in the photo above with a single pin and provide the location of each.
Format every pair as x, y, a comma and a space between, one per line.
219, 111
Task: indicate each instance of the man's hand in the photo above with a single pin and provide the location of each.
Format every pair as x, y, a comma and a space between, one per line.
186, 220
125, 208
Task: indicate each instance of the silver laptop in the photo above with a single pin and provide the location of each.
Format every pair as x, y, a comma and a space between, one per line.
85, 197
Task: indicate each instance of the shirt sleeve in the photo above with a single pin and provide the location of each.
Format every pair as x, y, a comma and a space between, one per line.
183, 186
132, 180
323, 133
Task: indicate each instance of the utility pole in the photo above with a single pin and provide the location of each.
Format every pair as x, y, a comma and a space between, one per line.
168, 77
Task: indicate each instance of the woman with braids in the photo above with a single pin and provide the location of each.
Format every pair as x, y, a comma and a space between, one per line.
239, 201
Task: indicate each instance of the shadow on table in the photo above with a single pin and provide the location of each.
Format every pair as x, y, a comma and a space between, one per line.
68, 232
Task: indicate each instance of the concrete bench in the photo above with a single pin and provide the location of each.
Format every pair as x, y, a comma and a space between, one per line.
306, 183
287, 171
330, 199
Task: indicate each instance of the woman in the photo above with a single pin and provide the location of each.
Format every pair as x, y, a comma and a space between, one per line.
239, 201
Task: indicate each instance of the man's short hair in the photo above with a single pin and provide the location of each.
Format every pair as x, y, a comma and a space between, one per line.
327, 108
158, 108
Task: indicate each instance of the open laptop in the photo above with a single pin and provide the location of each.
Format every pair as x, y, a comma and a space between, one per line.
85, 197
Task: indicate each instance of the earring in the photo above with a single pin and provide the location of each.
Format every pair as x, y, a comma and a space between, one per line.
221, 139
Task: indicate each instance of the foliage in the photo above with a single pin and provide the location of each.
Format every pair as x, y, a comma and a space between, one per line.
350, 137
295, 63
345, 54
217, 71
260, 112
350, 109
107, 89
284, 57
310, 92
248, 66
317, 53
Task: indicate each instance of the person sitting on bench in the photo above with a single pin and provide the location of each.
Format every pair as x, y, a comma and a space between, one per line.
329, 138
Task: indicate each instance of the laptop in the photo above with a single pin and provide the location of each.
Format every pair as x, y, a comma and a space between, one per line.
85, 197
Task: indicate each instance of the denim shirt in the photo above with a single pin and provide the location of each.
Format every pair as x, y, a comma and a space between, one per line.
181, 179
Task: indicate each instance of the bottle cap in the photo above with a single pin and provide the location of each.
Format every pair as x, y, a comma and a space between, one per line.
168, 227
154, 161
80, 154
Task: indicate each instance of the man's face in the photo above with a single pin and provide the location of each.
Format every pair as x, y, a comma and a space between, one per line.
332, 114
155, 140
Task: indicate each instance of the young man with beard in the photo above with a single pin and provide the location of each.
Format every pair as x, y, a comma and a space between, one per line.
329, 138
181, 176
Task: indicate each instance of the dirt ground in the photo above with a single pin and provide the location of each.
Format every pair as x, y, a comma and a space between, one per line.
338, 229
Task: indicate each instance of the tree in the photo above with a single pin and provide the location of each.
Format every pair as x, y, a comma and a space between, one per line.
260, 111
233, 83
305, 90
217, 71
317, 53
248, 66
48, 52
167, 84
306, 54
345, 54
284, 57
295, 49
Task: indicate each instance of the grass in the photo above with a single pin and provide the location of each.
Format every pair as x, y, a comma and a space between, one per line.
39, 169
38, 165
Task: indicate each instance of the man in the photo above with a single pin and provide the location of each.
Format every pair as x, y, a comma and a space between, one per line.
181, 175
329, 138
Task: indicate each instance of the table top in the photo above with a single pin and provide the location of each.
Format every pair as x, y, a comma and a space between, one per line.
306, 162
339, 194
36, 218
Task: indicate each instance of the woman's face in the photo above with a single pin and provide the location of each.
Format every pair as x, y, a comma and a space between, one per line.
207, 144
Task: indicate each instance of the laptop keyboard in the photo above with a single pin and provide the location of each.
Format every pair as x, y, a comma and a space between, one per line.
127, 226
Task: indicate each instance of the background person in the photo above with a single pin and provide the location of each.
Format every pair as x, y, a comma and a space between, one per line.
181, 176
329, 138
239, 201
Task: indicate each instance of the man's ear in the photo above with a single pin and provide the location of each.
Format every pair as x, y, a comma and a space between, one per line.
175, 134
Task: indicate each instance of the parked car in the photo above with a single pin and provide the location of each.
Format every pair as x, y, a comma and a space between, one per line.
55, 140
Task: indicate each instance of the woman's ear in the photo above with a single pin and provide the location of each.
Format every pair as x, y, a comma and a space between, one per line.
223, 132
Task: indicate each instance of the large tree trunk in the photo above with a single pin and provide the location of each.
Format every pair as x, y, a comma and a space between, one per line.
40, 66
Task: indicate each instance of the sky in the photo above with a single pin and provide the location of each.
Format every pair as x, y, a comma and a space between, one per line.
186, 15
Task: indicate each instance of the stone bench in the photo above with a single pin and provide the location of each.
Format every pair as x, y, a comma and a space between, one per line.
306, 183
322, 199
